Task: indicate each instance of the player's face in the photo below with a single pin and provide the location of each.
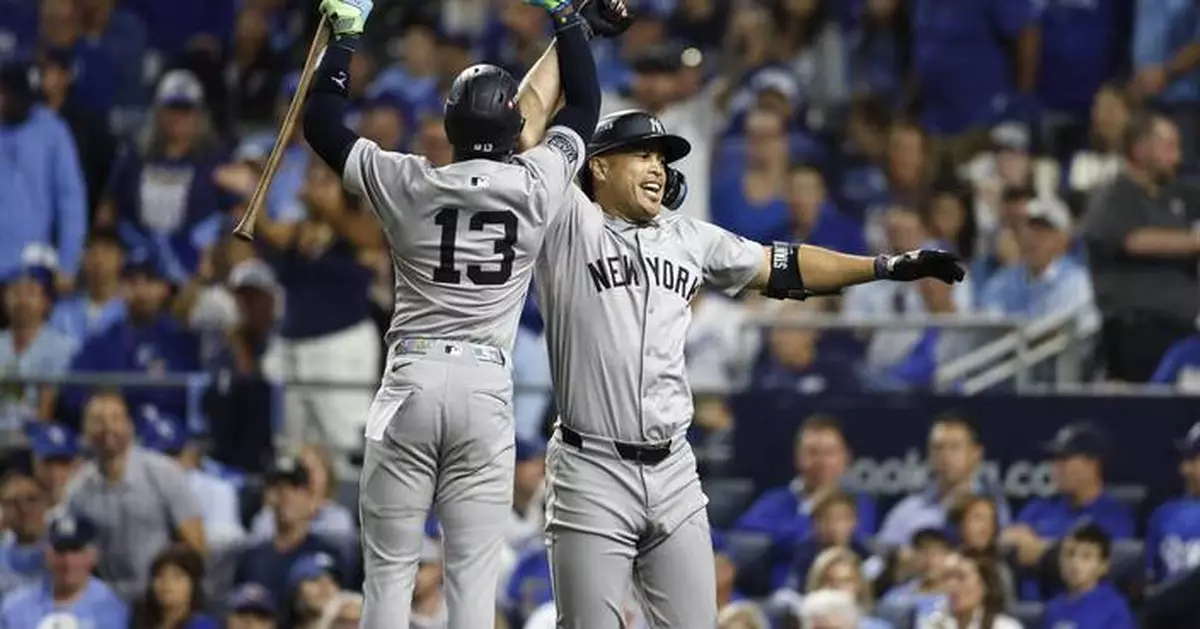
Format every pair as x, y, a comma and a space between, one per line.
1081, 564
635, 182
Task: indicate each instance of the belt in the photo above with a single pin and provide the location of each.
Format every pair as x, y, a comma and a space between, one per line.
646, 455
484, 353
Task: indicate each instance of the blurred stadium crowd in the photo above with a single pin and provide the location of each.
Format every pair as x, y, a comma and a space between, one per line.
1047, 142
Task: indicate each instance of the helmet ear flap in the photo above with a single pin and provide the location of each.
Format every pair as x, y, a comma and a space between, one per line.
675, 191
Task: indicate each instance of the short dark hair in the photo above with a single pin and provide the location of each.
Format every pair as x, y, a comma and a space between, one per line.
821, 421
931, 536
104, 236
953, 418
1141, 125
831, 500
1090, 533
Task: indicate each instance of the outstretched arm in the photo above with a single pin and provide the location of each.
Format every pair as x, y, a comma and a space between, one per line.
580, 86
796, 271
324, 128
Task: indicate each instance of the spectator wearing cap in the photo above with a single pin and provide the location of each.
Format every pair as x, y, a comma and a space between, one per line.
327, 334
1078, 451
139, 500
42, 194
55, 449
1166, 64
30, 348
294, 504
149, 340
162, 198
429, 603
71, 597
658, 85
955, 461
175, 596
56, 72
1045, 281
821, 458
966, 71
1173, 531
23, 545
312, 583
1142, 249
100, 301
1180, 366
251, 606
332, 521
248, 334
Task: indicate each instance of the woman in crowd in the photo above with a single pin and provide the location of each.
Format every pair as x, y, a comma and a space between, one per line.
974, 596
1100, 162
977, 525
174, 598
841, 569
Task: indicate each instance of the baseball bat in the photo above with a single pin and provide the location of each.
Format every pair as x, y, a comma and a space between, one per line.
245, 226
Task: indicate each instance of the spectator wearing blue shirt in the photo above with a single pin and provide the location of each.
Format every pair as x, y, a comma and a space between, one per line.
1089, 601
955, 459
748, 201
803, 360
312, 583
294, 503
42, 193
100, 302
148, 340
973, 60
1078, 452
176, 27
878, 50
163, 199
121, 35
1173, 531
30, 347
528, 587
1081, 48
859, 180
815, 219
251, 606
55, 450
1166, 63
834, 519
61, 30
23, 545
1045, 281
822, 458
413, 82
71, 596
175, 595
1180, 366
925, 592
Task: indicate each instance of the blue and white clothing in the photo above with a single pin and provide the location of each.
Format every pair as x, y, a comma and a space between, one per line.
1180, 366
20, 565
33, 607
48, 355
928, 509
1060, 287
1102, 607
1173, 539
81, 319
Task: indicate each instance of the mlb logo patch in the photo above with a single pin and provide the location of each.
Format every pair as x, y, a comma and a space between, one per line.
480, 182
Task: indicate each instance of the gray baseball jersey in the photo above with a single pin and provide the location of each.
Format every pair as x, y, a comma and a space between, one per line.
464, 236
615, 298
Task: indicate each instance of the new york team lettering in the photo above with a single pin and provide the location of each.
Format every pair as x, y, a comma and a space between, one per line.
620, 271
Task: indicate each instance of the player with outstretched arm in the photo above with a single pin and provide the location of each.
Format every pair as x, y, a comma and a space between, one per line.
614, 281
463, 238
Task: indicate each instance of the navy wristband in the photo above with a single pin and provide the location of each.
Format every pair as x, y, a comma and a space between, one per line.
881, 267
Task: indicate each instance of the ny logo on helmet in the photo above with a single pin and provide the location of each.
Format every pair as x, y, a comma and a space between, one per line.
657, 126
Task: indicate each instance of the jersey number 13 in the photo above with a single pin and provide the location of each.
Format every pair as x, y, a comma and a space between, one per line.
447, 273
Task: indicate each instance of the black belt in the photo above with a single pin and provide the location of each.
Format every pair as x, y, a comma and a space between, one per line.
646, 455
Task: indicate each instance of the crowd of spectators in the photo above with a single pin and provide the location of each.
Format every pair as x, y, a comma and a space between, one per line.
1049, 143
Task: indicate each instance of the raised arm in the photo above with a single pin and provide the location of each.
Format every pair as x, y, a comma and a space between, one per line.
324, 125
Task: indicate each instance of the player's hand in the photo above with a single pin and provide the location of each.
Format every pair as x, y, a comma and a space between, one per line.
920, 264
551, 6
606, 18
347, 18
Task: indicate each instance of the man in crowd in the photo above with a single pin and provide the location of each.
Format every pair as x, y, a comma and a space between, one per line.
821, 458
55, 451
1079, 451
100, 302
294, 504
30, 347
955, 460
22, 549
1173, 531
138, 500
1088, 602
1143, 249
71, 594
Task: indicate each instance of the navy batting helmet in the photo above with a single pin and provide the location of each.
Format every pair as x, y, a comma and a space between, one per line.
635, 129
482, 118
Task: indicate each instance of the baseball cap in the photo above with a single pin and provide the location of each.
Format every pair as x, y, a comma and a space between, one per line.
1012, 136
776, 80
1049, 211
52, 441
162, 433
251, 598
527, 450
69, 532
287, 469
253, 273
311, 567
179, 88
1189, 445
1079, 439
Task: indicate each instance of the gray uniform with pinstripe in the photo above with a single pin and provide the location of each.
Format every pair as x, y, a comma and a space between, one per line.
440, 429
624, 504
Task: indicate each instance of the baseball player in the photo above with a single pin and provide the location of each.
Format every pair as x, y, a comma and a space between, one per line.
614, 279
463, 239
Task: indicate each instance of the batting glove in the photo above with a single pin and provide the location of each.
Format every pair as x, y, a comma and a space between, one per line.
920, 264
347, 18
606, 18
554, 7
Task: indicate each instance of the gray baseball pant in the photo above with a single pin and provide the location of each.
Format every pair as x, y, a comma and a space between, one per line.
448, 443
612, 523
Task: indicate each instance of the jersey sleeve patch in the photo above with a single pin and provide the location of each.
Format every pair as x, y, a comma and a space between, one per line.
566, 142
